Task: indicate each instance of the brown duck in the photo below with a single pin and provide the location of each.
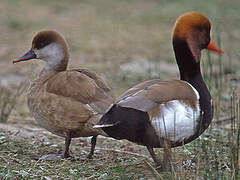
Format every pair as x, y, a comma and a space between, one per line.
171, 113
65, 102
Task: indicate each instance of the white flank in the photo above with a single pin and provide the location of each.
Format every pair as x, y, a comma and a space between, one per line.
177, 121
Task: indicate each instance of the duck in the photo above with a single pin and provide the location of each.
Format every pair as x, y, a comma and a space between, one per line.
171, 113
68, 103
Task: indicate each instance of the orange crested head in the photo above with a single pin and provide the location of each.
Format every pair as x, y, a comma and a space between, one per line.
188, 22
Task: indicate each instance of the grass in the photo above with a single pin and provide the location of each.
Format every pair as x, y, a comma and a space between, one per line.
8, 101
127, 42
22, 162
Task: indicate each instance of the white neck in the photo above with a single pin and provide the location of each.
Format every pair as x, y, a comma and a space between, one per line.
52, 54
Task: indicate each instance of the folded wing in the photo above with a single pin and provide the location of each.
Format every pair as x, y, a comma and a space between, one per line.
83, 86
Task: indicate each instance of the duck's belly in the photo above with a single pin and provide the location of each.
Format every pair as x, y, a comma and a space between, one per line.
175, 121
81, 130
47, 124
61, 116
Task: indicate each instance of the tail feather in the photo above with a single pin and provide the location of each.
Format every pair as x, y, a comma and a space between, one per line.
105, 125
106, 120
125, 123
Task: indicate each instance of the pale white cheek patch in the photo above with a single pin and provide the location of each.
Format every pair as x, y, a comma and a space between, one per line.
52, 54
177, 121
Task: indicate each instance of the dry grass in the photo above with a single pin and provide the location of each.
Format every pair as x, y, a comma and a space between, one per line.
126, 42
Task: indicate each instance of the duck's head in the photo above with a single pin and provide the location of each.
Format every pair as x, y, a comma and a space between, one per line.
49, 46
193, 28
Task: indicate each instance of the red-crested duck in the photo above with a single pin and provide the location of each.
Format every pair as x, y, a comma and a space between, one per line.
65, 102
171, 113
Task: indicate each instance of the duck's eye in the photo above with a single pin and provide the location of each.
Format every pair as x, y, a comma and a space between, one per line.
41, 44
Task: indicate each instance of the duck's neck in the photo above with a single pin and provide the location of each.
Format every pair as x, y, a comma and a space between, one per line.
55, 55
56, 64
190, 71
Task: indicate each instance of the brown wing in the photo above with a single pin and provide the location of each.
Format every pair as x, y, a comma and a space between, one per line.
83, 86
147, 95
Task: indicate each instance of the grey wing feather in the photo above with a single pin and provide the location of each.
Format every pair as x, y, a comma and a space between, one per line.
137, 102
